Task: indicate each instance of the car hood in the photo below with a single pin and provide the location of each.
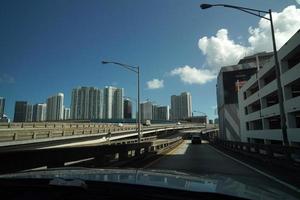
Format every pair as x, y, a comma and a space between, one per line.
214, 183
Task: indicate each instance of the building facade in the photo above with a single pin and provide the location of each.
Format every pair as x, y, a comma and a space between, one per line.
29, 113
39, 112
113, 103
181, 106
146, 111
87, 103
55, 105
127, 109
230, 79
2, 106
67, 113
258, 99
20, 111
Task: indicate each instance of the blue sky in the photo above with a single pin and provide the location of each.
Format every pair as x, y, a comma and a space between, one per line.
52, 46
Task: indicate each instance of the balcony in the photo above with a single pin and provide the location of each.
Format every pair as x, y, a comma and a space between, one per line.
253, 116
291, 75
270, 111
269, 88
292, 105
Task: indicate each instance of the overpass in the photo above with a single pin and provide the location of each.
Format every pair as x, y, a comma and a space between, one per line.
166, 148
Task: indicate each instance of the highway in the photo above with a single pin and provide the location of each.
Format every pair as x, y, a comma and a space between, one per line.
204, 159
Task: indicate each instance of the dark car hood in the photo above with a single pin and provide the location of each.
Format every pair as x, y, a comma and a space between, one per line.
214, 183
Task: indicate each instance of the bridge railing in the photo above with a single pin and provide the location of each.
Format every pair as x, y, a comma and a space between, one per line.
288, 156
97, 156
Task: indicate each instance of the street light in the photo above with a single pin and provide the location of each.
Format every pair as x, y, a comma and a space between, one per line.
259, 13
135, 69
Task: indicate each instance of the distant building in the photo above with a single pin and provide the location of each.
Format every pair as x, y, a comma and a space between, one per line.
197, 119
55, 105
39, 112
113, 103
210, 121
29, 113
127, 109
230, 80
216, 121
258, 99
20, 111
67, 113
87, 103
146, 111
2, 106
181, 106
161, 113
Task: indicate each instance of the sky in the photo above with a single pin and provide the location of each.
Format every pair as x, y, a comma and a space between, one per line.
53, 46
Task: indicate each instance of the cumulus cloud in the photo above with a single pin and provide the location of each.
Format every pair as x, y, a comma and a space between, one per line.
5, 78
155, 84
220, 50
192, 75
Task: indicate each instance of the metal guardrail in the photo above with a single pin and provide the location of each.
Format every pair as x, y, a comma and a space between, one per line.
104, 155
288, 156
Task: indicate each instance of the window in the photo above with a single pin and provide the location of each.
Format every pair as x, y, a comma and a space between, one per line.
274, 122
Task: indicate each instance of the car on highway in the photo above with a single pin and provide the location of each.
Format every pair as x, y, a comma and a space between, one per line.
178, 123
120, 125
196, 139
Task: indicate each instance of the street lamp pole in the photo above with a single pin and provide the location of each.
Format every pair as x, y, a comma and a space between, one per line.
259, 13
135, 69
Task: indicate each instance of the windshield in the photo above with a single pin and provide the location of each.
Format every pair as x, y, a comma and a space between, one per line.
207, 89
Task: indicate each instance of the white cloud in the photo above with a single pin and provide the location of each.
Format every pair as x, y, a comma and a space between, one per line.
192, 75
5, 78
220, 50
155, 84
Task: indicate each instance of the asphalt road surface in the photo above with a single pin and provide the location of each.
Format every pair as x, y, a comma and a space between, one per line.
204, 159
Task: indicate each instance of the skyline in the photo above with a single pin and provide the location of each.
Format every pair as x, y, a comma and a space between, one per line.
54, 46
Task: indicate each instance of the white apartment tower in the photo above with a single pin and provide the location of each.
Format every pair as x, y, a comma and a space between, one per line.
55, 109
181, 106
87, 103
113, 103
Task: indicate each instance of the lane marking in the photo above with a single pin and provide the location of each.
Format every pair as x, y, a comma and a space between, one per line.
158, 159
259, 171
78, 161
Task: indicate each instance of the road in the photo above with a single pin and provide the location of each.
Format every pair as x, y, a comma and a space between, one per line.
205, 159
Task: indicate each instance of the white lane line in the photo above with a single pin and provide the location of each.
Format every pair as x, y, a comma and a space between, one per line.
259, 171
78, 161
163, 156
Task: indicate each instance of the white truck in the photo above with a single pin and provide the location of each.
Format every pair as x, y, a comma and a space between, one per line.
147, 122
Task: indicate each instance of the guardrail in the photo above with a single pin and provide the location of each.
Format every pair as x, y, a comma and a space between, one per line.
97, 156
285, 156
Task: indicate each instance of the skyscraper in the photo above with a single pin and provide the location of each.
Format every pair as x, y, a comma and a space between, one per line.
113, 103
87, 103
39, 112
67, 113
29, 112
20, 111
146, 111
2, 105
163, 113
181, 106
127, 109
55, 107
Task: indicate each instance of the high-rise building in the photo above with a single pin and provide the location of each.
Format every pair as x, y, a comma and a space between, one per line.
67, 113
258, 99
55, 106
87, 103
161, 113
230, 80
29, 113
113, 103
20, 111
2, 105
181, 106
127, 109
146, 111
39, 112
